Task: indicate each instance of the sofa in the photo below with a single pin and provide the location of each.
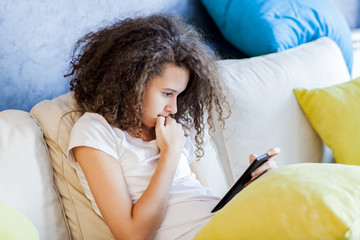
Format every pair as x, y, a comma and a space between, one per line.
37, 181
312, 195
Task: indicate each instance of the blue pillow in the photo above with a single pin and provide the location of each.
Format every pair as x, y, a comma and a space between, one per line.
258, 27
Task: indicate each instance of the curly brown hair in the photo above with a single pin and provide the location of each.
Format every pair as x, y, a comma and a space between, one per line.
111, 68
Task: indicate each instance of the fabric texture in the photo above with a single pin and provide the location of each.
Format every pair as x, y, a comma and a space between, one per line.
258, 27
14, 225
56, 118
26, 176
334, 112
189, 204
300, 201
265, 112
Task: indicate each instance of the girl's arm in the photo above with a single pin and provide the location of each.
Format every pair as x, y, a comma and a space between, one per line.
104, 175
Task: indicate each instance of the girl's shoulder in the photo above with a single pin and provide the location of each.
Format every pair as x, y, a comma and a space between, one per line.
94, 123
89, 119
92, 118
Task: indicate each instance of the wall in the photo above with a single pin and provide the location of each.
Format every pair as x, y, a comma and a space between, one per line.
351, 11
36, 38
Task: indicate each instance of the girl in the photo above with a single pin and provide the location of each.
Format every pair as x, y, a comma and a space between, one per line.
146, 86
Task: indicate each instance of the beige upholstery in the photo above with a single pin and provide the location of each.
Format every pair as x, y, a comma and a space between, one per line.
61, 114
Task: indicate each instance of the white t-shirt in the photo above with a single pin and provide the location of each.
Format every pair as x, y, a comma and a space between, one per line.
190, 203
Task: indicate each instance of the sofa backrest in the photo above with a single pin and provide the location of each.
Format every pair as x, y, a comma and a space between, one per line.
265, 112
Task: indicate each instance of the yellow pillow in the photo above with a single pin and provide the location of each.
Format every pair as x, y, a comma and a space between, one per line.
15, 226
334, 112
300, 201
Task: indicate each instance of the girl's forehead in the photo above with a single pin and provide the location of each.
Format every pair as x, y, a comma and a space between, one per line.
172, 75
175, 83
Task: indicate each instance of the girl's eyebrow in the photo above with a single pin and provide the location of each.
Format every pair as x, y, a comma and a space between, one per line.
170, 89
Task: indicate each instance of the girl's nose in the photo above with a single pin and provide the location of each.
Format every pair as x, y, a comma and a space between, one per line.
171, 107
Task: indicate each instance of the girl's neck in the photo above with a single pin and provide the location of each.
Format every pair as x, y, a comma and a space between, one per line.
144, 133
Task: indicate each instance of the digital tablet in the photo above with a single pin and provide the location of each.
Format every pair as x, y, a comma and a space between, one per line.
240, 183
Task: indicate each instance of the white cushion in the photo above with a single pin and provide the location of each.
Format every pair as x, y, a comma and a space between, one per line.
26, 176
265, 112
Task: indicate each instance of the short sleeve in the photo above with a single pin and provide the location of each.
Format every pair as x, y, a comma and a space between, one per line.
92, 130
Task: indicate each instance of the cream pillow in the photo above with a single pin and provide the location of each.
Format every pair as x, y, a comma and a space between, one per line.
56, 118
265, 112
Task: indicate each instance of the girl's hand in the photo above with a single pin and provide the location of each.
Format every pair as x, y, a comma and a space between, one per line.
169, 135
268, 165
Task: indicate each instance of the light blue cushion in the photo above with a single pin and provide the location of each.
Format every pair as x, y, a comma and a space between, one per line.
258, 27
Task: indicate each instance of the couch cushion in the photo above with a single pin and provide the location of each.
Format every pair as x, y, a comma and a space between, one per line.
56, 118
265, 112
334, 112
301, 201
26, 176
258, 27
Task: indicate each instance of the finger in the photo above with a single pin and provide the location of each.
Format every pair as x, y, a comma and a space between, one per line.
264, 167
273, 151
270, 164
169, 120
255, 176
252, 157
160, 122
248, 183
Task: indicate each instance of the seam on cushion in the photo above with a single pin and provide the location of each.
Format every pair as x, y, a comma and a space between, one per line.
53, 180
63, 173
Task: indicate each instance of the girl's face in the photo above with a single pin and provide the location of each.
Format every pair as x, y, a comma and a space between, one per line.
160, 97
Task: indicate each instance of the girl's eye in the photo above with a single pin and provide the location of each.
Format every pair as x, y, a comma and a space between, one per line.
167, 94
